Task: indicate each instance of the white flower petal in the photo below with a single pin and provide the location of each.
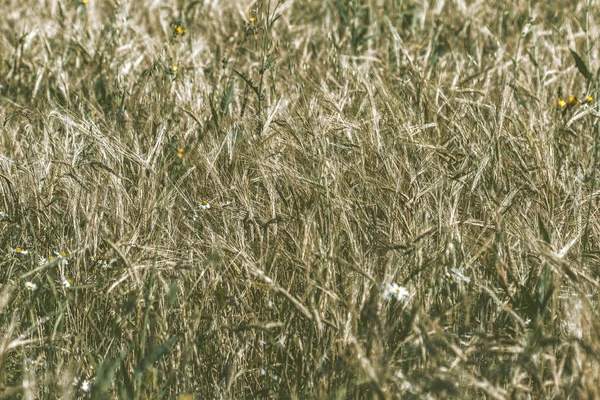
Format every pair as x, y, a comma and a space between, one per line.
395, 291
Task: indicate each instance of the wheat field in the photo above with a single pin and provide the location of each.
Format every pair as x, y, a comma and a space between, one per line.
318, 199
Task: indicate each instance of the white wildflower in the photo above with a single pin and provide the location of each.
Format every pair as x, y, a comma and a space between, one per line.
204, 205
30, 286
62, 258
66, 283
395, 291
17, 251
85, 384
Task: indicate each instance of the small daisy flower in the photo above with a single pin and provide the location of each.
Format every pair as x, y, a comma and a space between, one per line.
86, 386
30, 286
66, 283
204, 205
3, 215
62, 257
43, 260
17, 251
395, 291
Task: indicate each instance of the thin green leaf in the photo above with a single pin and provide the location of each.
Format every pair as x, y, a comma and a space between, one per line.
248, 82
227, 97
581, 66
267, 65
545, 288
106, 372
155, 355
544, 231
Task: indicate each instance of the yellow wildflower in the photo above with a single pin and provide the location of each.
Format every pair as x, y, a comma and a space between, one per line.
250, 27
573, 101
561, 103
179, 29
